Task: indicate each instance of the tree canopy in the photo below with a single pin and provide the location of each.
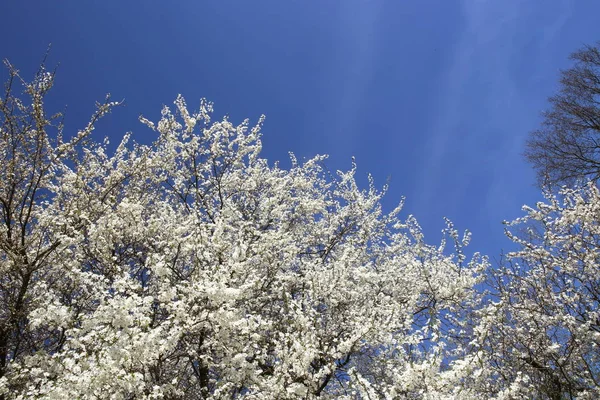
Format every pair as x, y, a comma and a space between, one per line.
192, 268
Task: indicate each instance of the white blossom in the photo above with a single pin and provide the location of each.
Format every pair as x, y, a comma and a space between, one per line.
192, 268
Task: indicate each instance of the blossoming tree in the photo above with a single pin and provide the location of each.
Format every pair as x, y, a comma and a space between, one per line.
541, 333
192, 268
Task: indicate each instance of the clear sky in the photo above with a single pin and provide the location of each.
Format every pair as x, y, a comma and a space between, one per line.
437, 96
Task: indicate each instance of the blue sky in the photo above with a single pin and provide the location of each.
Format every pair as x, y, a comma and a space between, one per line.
437, 96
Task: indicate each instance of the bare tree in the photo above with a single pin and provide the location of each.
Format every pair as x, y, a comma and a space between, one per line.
566, 148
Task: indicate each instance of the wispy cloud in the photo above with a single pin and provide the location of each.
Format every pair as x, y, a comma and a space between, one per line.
357, 24
480, 91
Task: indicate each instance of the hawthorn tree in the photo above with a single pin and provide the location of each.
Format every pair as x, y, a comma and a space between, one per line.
192, 268
566, 149
540, 336
31, 148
